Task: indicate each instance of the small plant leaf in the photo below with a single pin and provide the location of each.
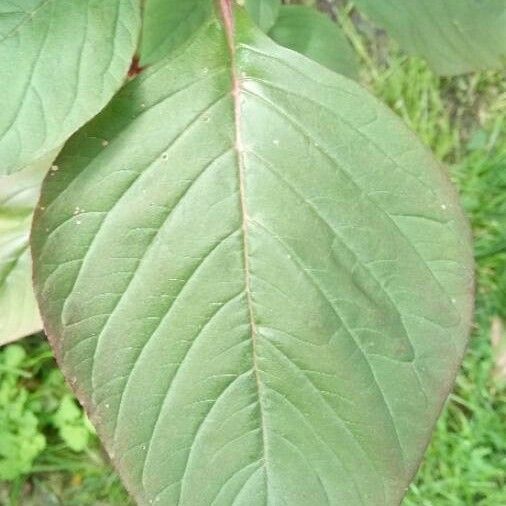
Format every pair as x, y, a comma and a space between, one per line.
71, 424
60, 63
255, 277
455, 36
19, 192
313, 34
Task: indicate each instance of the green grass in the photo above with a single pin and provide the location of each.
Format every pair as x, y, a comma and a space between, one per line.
49, 455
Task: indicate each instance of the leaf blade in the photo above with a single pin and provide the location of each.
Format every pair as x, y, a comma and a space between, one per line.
68, 66
314, 35
454, 36
169, 24
152, 309
263, 12
18, 196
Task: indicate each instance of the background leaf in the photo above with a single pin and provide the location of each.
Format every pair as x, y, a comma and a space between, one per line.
18, 195
263, 12
60, 63
169, 23
455, 36
266, 290
314, 35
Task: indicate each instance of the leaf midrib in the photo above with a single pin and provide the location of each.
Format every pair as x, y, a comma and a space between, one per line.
227, 14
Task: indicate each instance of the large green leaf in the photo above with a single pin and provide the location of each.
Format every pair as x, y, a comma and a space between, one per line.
61, 61
256, 279
19, 192
313, 34
455, 36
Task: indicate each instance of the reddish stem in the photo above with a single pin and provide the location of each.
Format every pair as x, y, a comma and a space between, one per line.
135, 68
228, 16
